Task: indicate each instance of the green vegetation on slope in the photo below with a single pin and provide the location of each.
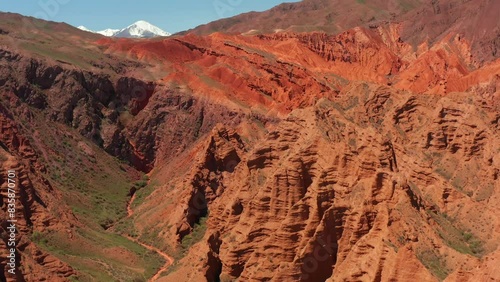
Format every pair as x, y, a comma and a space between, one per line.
456, 238
96, 188
435, 263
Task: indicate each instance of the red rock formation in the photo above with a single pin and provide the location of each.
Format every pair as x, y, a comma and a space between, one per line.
287, 70
36, 200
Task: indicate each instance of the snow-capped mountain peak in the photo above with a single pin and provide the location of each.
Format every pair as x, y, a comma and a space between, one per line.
84, 28
139, 29
142, 23
108, 32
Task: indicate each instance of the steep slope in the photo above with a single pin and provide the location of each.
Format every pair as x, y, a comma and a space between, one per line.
35, 197
475, 20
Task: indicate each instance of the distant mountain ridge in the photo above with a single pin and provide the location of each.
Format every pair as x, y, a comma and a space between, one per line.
421, 20
139, 29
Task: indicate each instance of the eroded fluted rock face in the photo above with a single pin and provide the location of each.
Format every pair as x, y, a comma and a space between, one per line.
355, 189
221, 155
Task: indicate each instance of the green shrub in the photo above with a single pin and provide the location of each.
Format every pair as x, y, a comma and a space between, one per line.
140, 184
435, 264
196, 235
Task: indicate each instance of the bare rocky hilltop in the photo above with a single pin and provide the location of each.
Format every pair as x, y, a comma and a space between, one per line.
368, 152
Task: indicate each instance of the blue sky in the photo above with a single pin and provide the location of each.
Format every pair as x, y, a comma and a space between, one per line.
170, 15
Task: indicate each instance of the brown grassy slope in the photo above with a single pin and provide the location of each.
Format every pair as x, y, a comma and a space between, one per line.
312, 15
477, 20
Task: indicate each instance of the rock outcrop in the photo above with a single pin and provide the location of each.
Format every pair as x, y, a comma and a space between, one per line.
37, 202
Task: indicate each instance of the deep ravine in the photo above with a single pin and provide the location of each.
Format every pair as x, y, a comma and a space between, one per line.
169, 259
